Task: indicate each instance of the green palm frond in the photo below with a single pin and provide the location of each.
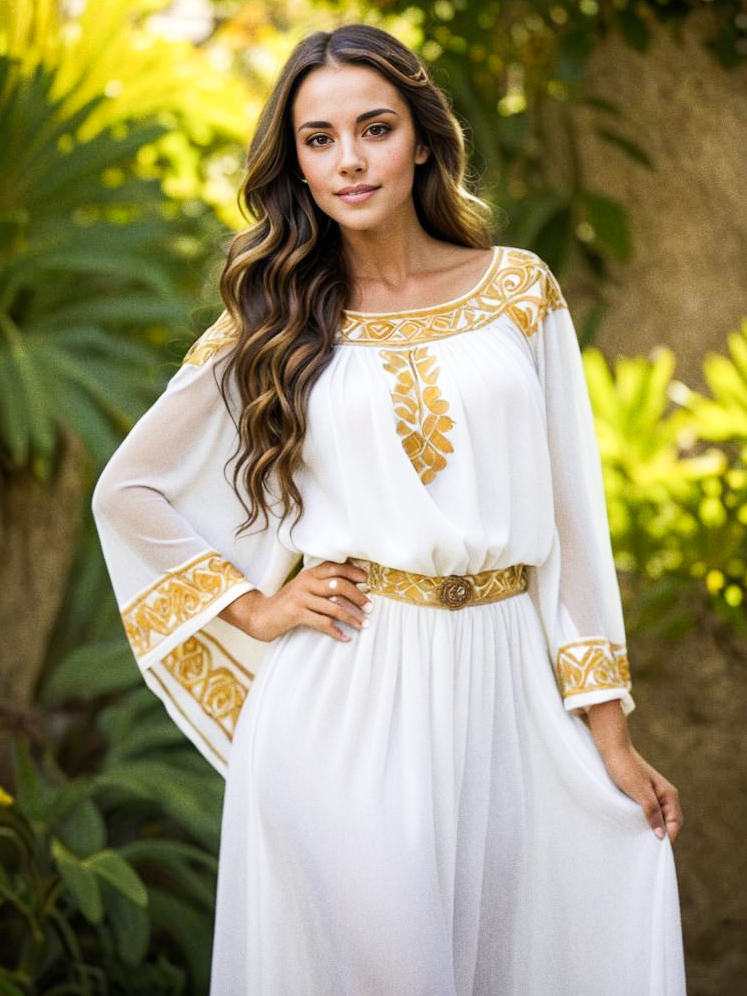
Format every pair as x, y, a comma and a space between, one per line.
83, 274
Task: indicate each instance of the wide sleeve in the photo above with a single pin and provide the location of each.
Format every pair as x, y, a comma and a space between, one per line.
167, 516
576, 587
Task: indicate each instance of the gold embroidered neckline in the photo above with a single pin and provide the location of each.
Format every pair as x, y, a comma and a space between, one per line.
433, 307
517, 284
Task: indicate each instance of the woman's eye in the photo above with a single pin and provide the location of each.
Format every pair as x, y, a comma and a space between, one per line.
379, 134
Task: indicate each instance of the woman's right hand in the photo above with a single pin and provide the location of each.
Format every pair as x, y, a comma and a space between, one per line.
315, 597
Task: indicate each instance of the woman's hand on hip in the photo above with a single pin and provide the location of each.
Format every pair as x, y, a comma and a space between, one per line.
315, 597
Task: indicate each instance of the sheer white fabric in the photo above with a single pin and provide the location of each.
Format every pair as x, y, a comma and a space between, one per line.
521, 483
421, 810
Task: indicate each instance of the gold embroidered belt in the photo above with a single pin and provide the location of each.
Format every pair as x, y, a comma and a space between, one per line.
445, 591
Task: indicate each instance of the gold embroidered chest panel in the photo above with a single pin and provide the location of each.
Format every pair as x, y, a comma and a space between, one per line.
517, 283
422, 414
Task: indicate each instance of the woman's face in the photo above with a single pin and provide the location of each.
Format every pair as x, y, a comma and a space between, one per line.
352, 128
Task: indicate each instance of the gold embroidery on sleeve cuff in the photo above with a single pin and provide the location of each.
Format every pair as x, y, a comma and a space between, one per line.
176, 597
590, 665
218, 689
621, 657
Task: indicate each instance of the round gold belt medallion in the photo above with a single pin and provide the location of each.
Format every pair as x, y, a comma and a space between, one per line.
455, 591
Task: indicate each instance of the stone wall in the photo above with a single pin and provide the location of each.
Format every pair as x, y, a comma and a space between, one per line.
686, 281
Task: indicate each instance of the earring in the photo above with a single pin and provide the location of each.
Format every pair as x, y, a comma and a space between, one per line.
302, 179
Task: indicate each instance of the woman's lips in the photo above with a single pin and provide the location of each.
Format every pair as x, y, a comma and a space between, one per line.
357, 198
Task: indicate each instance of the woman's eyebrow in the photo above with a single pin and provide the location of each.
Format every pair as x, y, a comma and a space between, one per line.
361, 117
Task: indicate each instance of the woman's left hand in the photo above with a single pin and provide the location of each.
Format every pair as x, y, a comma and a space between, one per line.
658, 798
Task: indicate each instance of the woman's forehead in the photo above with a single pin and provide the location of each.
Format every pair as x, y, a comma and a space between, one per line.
342, 93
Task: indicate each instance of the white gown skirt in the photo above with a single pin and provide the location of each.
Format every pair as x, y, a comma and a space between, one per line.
414, 813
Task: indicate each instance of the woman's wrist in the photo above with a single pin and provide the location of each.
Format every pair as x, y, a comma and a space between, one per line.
240, 610
609, 726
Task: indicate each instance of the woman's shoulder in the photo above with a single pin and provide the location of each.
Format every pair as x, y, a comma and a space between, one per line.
535, 269
525, 287
223, 332
528, 260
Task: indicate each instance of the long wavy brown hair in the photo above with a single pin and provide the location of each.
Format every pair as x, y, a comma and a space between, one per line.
285, 282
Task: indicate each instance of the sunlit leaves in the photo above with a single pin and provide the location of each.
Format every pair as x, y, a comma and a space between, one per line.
677, 503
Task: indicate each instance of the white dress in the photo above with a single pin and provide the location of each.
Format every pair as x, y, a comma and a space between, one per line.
421, 811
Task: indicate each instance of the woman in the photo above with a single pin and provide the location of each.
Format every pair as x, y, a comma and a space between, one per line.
430, 788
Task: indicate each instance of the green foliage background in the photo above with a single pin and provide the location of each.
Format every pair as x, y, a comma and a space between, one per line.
121, 153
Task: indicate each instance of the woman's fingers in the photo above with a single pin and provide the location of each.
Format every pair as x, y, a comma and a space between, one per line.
661, 806
332, 579
333, 591
329, 570
359, 614
656, 796
323, 623
669, 800
339, 608
341, 588
652, 811
322, 611
339, 584
318, 595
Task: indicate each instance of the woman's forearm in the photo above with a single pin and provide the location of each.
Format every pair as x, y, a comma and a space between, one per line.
609, 726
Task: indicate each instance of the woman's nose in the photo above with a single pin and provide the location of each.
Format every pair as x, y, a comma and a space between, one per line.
350, 158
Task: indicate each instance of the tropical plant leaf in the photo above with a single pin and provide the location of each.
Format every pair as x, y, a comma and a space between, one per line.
170, 862
81, 881
602, 104
14, 423
189, 928
193, 799
609, 221
91, 670
635, 30
130, 924
540, 208
629, 147
9, 988
128, 307
137, 724
174, 852
114, 869
83, 830
33, 792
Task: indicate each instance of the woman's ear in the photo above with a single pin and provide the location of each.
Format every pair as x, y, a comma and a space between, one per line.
421, 153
